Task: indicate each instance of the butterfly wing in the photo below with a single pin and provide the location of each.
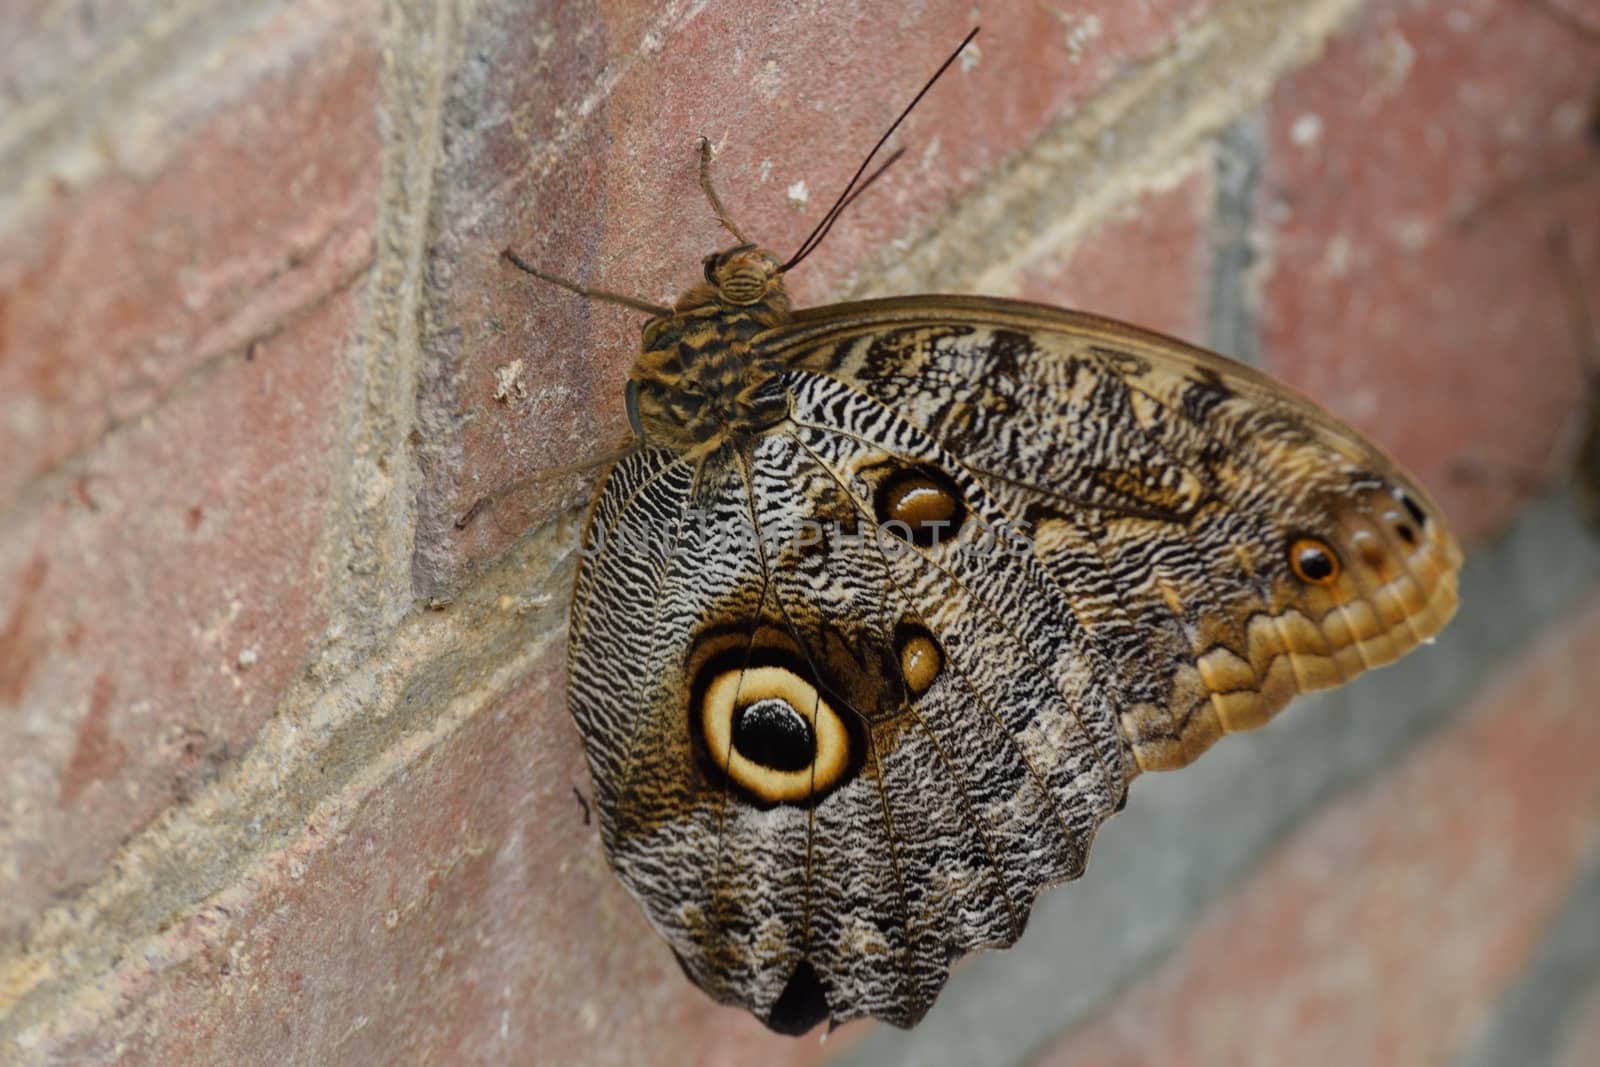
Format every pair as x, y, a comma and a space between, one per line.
1236, 544
852, 697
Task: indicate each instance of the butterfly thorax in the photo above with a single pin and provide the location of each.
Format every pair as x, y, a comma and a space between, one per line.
699, 383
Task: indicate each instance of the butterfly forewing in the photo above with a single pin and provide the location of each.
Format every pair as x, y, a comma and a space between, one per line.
1172, 492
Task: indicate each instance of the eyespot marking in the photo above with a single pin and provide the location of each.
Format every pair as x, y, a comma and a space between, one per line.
921, 659
770, 733
760, 724
920, 504
1413, 509
1313, 561
1369, 548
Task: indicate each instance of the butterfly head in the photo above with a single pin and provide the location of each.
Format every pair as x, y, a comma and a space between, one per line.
744, 275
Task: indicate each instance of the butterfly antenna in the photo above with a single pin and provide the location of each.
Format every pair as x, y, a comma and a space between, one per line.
583, 290
851, 190
854, 196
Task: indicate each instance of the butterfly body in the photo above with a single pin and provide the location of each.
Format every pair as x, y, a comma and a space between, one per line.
894, 599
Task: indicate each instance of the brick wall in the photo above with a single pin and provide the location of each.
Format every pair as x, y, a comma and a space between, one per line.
287, 774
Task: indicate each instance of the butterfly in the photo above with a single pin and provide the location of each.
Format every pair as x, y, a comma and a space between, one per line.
890, 601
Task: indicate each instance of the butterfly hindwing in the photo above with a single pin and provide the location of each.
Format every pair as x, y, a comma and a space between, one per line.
979, 741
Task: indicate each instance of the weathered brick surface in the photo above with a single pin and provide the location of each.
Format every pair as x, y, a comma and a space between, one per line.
172, 373
572, 137
1384, 931
175, 394
1406, 290
215, 228
158, 606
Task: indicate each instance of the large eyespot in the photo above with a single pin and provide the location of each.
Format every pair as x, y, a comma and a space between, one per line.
921, 659
1313, 561
773, 734
920, 504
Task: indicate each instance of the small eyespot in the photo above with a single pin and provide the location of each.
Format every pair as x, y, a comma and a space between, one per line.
920, 504
1413, 509
1406, 532
921, 659
1313, 561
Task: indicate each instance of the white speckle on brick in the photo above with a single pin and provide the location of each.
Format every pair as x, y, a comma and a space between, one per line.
1394, 59
1336, 257
508, 384
247, 659
1412, 233
1360, 404
1570, 119
799, 194
1307, 130
533, 602
1082, 30
768, 81
970, 56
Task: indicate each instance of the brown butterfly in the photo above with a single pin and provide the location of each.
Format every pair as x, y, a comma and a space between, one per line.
891, 600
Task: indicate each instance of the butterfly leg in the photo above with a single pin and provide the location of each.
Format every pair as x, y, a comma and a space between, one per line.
706, 155
584, 291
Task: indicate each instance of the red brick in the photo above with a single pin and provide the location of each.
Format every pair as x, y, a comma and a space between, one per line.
1385, 930
1381, 300
161, 605
611, 199
172, 375
115, 292
1147, 265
